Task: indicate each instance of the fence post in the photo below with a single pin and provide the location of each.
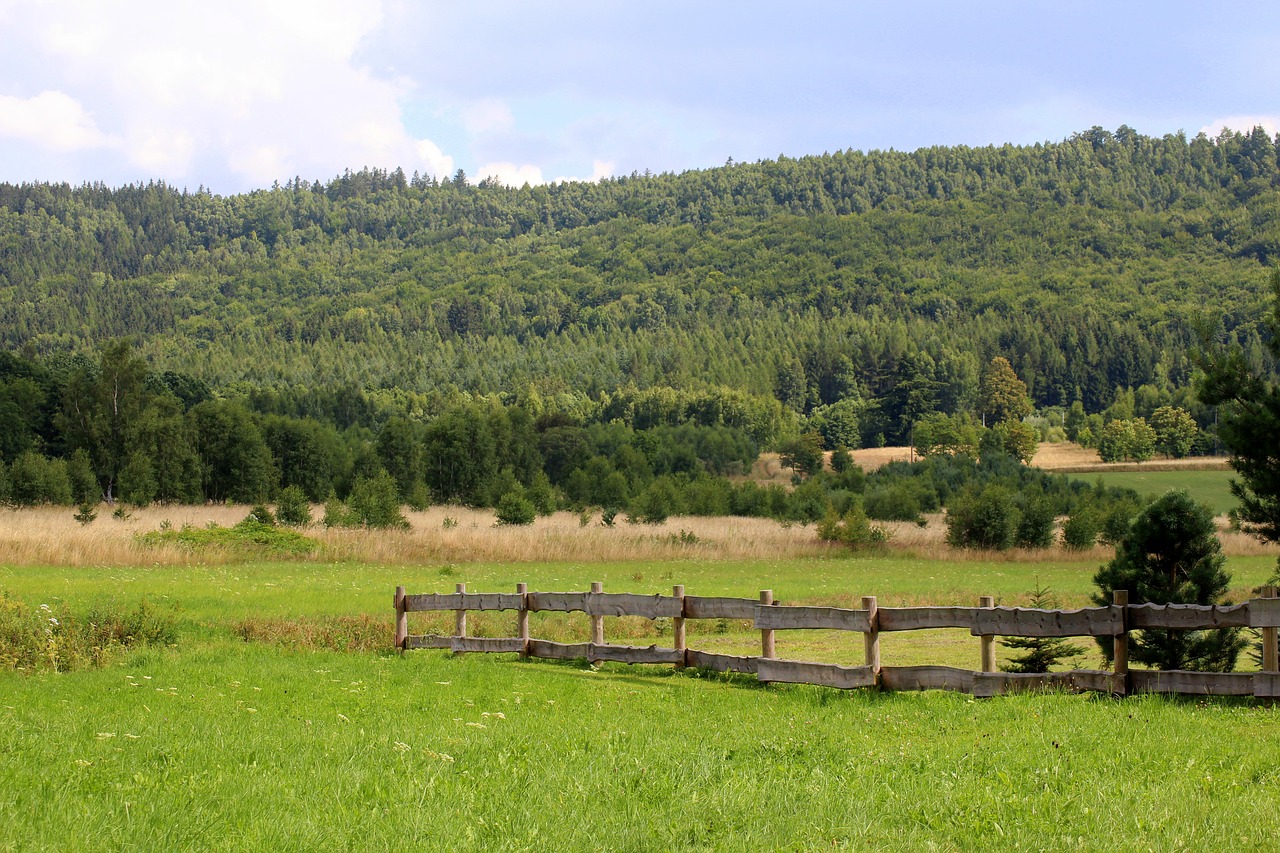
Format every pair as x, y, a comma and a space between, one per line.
597, 622
402, 621
522, 619
871, 640
1120, 646
460, 616
677, 625
988, 640
767, 647
1270, 654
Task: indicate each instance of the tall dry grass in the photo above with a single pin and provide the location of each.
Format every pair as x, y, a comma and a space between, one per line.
51, 536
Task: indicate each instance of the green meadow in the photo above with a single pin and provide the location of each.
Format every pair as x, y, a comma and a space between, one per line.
283, 742
1210, 487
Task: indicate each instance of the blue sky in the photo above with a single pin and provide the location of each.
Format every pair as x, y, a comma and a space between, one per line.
237, 94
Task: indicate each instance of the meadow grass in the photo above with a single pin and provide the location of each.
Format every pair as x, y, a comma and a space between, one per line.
1210, 487
242, 746
281, 719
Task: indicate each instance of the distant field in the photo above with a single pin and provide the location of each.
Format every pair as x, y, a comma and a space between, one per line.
1211, 487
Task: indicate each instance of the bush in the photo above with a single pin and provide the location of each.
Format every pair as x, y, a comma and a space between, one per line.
375, 502
249, 537
853, 528
985, 519
656, 503
262, 514
515, 508
35, 480
1080, 530
293, 508
1035, 527
894, 502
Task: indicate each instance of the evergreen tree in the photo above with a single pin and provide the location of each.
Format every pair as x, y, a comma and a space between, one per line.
1172, 556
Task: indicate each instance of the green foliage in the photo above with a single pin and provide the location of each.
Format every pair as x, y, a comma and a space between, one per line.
1035, 524
1175, 431
1127, 441
659, 500
40, 639
86, 513
898, 501
516, 509
1039, 654
939, 433
853, 528
35, 479
1015, 438
292, 507
803, 455
374, 502
1171, 555
262, 514
1081, 529
1002, 396
986, 518
246, 538
1250, 405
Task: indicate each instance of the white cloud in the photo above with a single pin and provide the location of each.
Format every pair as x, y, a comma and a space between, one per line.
1242, 123
52, 119
436, 161
599, 169
511, 174
252, 90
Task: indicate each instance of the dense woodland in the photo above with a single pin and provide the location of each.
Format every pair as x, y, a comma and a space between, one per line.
851, 293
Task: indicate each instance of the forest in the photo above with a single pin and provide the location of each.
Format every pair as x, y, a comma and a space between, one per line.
695, 318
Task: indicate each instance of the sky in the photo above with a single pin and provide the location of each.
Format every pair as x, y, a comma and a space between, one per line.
238, 94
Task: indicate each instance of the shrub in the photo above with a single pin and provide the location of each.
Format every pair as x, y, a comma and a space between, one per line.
983, 519
894, 502
656, 503
34, 480
1080, 530
375, 502
853, 528
1035, 527
262, 514
293, 508
249, 537
515, 508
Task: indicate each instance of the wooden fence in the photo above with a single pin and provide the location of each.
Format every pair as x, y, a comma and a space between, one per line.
985, 622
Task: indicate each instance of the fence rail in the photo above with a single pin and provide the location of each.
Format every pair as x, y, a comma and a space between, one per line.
985, 621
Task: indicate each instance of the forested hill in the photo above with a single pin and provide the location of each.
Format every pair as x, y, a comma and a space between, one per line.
816, 279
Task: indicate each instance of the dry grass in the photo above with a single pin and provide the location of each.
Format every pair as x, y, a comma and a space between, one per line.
50, 536
1067, 457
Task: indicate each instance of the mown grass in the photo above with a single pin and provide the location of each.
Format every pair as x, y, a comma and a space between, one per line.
242, 746
1210, 487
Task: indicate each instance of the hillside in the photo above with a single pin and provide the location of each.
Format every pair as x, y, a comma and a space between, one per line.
852, 274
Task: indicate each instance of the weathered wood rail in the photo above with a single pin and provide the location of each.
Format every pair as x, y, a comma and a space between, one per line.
986, 622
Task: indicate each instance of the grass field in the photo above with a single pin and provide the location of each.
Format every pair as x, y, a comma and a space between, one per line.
286, 742
1210, 487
